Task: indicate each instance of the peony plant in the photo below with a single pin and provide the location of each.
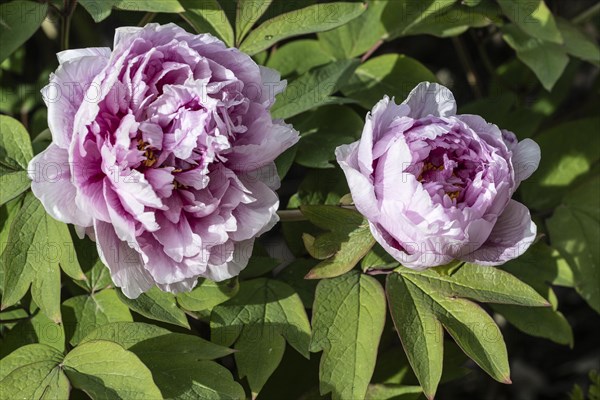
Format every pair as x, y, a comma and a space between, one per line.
270, 200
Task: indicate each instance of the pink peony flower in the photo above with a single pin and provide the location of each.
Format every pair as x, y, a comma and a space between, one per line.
162, 152
436, 186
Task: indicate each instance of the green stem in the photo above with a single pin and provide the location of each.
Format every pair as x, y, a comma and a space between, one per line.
587, 14
147, 18
69, 8
291, 216
467, 64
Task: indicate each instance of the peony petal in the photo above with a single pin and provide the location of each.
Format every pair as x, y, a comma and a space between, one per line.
526, 159
51, 183
431, 99
125, 264
241, 254
362, 190
512, 235
73, 54
64, 94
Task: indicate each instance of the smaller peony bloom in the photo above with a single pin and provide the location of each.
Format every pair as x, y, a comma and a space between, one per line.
162, 152
436, 186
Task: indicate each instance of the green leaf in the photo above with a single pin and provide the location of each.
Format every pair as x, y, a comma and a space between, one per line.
546, 59
452, 21
575, 231
33, 371
23, 256
37, 329
533, 17
359, 35
320, 187
247, 13
569, 152
162, 6
420, 331
19, 20
541, 322
15, 145
13, 184
83, 314
392, 74
200, 380
577, 43
178, 362
420, 307
125, 334
352, 248
298, 57
378, 258
479, 283
419, 310
100, 10
312, 89
263, 311
348, 319
315, 18
158, 305
208, 294
393, 392
321, 134
332, 218
294, 273
8, 212
207, 16
105, 370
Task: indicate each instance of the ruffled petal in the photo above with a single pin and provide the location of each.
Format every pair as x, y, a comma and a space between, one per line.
51, 183
431, 99
511, 236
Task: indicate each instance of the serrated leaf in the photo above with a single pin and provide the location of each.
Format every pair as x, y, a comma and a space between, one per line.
208, 16
247, 13
208, 294
267, 304
575, 231
33, 371
19, 20
392, 74
298, 57
83, 314
348, 319
315, 18
104, 369
546, 59
533, 17
419, 310
565, 159
158, 305
312, 89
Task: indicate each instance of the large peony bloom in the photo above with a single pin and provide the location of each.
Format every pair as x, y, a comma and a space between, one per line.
436, 186
162, 152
